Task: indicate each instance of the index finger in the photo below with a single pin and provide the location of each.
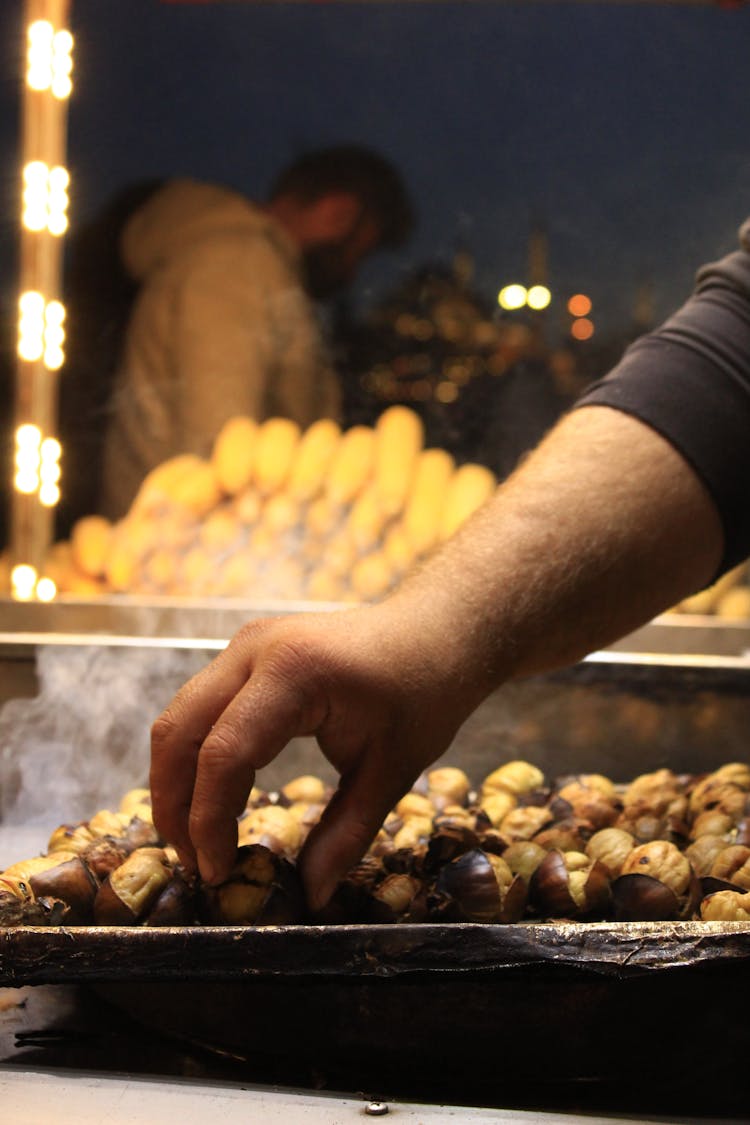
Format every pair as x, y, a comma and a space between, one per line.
178, 734
266, 713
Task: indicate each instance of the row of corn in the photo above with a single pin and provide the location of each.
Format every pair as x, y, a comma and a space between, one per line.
275, 511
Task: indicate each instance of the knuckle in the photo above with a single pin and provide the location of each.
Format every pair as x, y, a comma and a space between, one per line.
251, 633
220, 752
164, 729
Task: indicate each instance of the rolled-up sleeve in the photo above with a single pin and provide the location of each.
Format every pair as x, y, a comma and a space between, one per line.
690, 381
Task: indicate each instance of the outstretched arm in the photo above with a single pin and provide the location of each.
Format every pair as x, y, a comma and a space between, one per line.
603, 526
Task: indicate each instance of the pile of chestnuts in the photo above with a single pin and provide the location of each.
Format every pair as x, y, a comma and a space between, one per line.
663, 847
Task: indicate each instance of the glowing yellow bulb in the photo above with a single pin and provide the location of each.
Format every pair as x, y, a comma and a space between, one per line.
31, 303
54, 314
512, 297
50, 449
41, 33
45, 589
53, 358
61, 87
49, 494
23, 580
40, 330
63, 44
26, 482
538, 297
45, 198
35, 172
27, 459
28, 434
49, 59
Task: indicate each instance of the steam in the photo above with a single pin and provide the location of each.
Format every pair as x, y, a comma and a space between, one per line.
83, 740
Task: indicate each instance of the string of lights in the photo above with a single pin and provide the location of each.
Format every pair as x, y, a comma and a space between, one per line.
44, 198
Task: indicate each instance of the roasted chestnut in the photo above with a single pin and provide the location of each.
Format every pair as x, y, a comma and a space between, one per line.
523, 857
516, 777
654, 791
524, 822
71, 882
480, 887
398, 898
448, 783
733, 865
569, 885
497, 805
176, 905
657, 884
272, 826
610, 847
263, 889
415, 805
726, 906
307, 789
70, 838
587, 801
703, 851
131, 890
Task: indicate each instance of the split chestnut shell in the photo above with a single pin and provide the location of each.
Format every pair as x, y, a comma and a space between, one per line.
480, 887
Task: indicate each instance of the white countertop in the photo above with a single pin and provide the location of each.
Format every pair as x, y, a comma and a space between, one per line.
81, 1098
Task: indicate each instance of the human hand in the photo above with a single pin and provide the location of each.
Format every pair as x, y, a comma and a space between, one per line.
376, 691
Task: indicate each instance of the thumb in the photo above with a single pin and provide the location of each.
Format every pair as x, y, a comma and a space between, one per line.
345, 831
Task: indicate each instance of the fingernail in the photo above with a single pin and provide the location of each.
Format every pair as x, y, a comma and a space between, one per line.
187, 861
207, 869
319, 895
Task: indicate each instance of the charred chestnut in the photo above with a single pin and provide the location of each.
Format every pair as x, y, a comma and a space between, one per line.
71, 882
567, 835
264, 889
480, 887
569, 885
398, 898
104, 855
131, 890
176, 905
657, 883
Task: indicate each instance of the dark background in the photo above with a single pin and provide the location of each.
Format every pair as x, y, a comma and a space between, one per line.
621, 128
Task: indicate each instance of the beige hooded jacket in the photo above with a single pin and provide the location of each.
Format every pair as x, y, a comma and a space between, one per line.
221, 326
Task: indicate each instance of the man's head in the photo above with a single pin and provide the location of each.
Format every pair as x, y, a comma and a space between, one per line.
340, 204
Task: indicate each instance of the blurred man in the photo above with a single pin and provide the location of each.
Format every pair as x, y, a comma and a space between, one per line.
224, 321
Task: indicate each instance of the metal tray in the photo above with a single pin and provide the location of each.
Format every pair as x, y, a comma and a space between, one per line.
126, 615
545, 1002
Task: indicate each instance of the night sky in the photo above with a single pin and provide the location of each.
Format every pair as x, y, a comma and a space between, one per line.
624, 129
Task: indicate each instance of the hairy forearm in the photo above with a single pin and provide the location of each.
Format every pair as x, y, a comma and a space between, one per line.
602, 527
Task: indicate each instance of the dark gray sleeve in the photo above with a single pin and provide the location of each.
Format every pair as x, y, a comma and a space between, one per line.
690, 381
